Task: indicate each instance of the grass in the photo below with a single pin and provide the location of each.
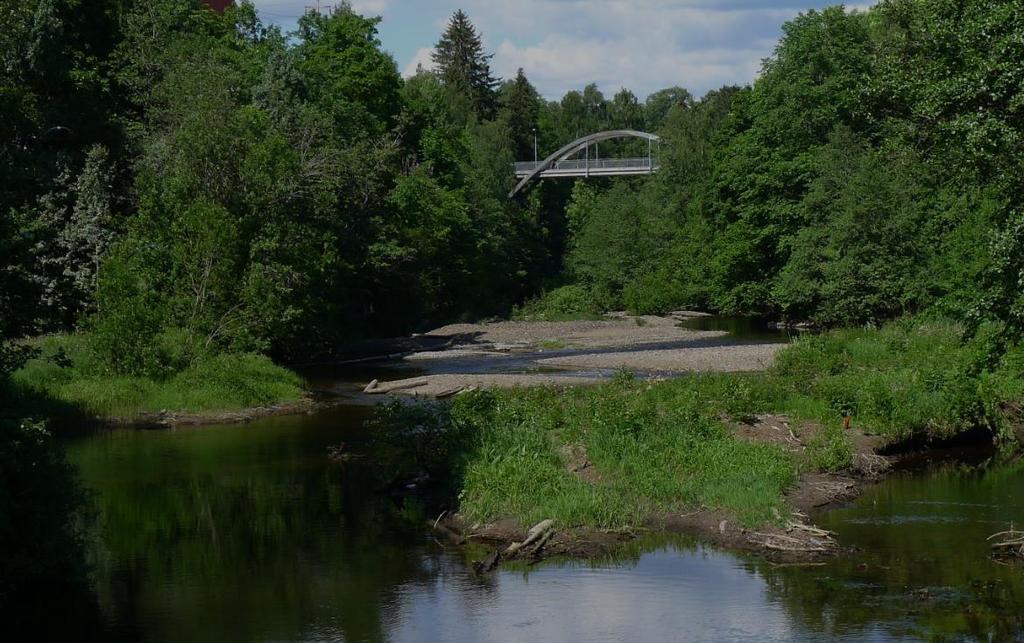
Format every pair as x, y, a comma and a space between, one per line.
666, 447
651, 456
64, 376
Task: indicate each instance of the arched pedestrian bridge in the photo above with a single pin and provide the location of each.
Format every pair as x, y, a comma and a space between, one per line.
562, 164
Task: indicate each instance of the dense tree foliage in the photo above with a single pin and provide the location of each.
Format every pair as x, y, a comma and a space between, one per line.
181, 183
872, 170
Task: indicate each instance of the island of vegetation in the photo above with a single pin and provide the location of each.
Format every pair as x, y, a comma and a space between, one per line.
191, 201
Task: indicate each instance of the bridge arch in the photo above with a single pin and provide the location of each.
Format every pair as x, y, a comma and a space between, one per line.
577, 145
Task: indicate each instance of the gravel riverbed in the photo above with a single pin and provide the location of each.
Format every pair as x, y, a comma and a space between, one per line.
571, 353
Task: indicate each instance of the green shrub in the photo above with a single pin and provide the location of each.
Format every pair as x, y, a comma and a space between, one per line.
654, 293
830, 450
564, 303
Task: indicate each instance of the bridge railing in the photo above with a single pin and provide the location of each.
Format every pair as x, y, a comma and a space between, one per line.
593, 164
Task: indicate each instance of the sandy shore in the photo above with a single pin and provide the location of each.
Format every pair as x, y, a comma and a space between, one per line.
751, 357
613, 332
440, 386
646, 345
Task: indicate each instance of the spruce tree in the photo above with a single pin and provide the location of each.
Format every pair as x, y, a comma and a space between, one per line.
464, 67
520, 108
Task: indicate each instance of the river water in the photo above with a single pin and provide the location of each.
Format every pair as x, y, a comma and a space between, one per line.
250, 532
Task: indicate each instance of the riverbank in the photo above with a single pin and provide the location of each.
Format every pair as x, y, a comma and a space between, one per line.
178, 507
740, 459
790, 536
62, 382
65, 381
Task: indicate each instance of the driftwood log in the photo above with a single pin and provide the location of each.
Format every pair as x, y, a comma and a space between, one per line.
1008, 544
800, 538
450, 392
536, 533
376, 388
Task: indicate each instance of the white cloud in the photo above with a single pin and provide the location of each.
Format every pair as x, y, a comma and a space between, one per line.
370, 7
644, 45
556, 65
423, 58
641, 44
292, 9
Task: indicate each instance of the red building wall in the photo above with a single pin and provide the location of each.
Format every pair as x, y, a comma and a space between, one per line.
219, 5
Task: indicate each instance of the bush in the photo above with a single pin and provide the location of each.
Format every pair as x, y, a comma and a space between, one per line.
564, 303
654, 293
130, 315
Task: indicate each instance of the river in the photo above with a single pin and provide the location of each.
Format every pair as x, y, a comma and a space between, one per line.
250, 532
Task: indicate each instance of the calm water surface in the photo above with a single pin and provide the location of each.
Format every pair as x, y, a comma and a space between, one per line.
251, 533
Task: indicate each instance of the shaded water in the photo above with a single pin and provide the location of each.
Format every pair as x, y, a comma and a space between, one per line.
741, 328
251, 533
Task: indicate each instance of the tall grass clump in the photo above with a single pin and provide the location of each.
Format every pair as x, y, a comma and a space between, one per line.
908, 379
652, 453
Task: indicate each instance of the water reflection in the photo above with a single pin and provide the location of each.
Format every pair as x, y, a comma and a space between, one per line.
44, 528
250, 533
671, 593
923, 568
742, 329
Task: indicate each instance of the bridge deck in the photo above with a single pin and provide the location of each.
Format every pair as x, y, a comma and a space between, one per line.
591, 167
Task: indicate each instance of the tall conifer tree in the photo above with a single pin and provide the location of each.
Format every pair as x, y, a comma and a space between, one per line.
520, 109
465, 67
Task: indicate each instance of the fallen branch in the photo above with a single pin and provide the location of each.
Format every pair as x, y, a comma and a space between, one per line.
800, 550
401, 385
1011, 545
450, 392
455, 537
539, 546
1010, 532
872, 465
816, 541
814, 531
488, 564
532, 536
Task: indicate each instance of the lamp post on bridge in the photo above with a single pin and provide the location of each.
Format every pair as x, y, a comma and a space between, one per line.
535, 146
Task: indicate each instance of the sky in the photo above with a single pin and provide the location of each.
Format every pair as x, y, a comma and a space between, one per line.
642, 45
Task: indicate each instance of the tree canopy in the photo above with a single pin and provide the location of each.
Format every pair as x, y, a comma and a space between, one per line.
180, 183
